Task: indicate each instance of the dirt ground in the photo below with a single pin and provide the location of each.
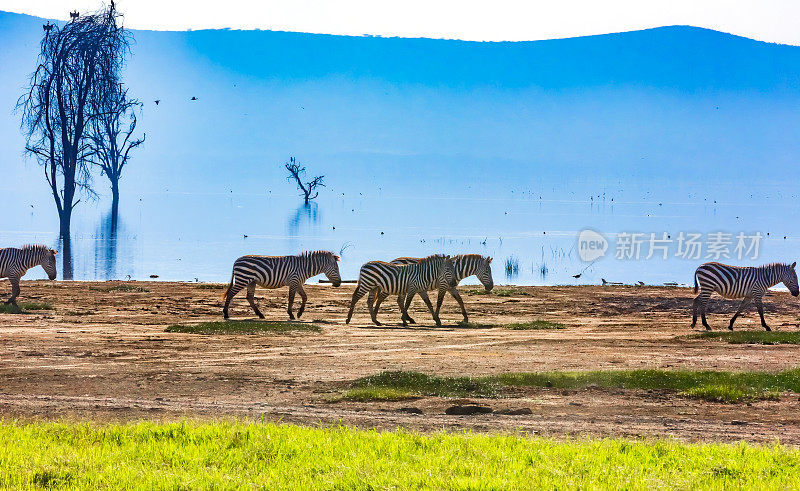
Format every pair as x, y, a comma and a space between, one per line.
104, 354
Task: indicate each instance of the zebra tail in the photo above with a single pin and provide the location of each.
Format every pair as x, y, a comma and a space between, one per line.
228, 290
695, 282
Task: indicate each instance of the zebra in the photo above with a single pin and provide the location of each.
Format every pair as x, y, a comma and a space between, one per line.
465, 265
14, 263
404, 280
749, 283
278, 271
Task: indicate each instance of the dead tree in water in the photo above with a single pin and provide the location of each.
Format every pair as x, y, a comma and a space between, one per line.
111, 137
77, 64
296, 172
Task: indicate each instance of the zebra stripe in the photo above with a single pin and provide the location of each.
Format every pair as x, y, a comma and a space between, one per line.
404, 280
749, 283
465, 265
14, 263
279, 271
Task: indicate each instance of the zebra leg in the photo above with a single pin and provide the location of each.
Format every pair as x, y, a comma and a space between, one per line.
14, 291
439, 300
292, 291
360, 292
760, 307
371, 300
232, 291
694, 310
424, 295
703, 307
401, 302
457, 296
409, 298
379, 300
251, 291
373, 309
744, 304
304, 298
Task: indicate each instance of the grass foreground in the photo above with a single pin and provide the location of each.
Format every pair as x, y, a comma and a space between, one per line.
193, 455
242, 327
714, 386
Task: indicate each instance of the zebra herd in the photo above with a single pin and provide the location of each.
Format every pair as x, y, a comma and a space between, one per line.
409, 276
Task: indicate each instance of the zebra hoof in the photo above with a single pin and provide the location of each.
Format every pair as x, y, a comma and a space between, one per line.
767, 328
377, 323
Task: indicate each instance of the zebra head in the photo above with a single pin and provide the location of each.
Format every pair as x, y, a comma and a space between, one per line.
789, 278
330, 267
484, 274
49, 263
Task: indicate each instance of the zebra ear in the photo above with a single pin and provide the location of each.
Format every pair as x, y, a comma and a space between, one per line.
338, 258
488, 259
794, 264
55, 252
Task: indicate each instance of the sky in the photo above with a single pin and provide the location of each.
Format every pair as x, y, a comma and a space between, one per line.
775, 21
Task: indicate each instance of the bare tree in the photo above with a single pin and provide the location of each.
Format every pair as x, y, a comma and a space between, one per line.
111, 136
78, 62
297, 172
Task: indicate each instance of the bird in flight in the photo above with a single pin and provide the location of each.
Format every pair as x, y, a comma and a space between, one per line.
157, 101
193, 98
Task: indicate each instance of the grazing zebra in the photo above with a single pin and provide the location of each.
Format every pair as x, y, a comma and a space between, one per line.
404, 280
278, 271
14, 263
465, 265
749, 283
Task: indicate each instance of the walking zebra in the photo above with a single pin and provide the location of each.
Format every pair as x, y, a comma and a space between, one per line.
404, 280
278, 271
749, 283
14, 263
465, 265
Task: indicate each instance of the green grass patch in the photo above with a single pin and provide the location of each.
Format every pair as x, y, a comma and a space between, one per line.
500, 292
241, 455
719, 386
753, 337
24, 307
243, 327
534, 325
729, 394
211, 286
120, 288
414, 384
708, 385
371, 394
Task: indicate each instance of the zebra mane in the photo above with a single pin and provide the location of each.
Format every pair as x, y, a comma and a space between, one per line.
35, 248
432, 257
473, 256
777, 265
309, 254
